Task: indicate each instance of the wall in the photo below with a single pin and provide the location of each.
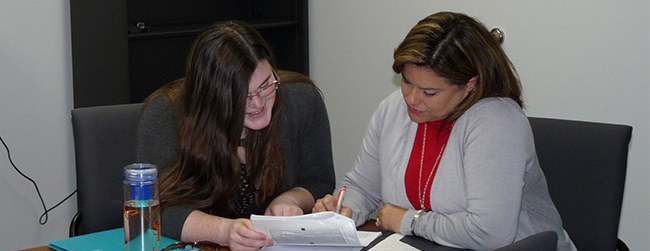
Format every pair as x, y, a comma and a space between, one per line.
584, 60
35, 103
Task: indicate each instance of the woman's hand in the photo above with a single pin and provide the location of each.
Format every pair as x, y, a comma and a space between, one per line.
238, 234
296, 201
283, 206
389, 217
241, 235
328, 203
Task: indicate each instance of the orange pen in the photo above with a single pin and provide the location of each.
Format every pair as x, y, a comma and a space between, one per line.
339, 202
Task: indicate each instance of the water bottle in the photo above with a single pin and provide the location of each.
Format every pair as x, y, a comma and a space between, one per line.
141, 208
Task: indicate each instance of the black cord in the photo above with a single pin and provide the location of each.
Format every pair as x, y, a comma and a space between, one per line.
40, 219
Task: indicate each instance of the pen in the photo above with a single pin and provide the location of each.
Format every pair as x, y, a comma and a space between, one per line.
339, 202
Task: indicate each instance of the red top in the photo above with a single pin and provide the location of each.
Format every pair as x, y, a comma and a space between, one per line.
436, 139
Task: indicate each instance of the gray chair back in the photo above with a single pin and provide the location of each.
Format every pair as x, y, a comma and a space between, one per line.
585, 165
105, 142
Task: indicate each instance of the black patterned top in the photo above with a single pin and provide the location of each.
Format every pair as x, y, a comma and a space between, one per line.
246, 197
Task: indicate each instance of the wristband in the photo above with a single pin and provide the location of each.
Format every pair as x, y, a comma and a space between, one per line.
415, 219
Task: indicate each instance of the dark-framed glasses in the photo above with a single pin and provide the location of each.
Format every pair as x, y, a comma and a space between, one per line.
264, 91
199, 246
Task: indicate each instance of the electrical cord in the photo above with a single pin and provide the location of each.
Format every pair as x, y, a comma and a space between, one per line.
45, 213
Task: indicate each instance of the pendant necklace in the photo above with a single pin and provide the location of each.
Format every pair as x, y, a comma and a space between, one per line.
422, 192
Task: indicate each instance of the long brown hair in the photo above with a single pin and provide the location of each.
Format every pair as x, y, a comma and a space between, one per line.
211, 103
458, 48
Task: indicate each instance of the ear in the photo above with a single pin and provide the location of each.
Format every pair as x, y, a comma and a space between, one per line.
471, 84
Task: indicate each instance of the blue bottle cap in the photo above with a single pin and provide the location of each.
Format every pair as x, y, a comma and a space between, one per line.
141, 177
141, 173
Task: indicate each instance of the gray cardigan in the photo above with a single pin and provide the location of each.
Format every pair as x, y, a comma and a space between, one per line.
489, 189
305, 142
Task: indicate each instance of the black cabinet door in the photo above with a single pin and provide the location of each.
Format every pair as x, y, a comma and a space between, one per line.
124, 50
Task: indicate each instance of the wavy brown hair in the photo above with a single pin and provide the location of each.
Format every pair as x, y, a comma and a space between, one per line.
458, 48
211, 103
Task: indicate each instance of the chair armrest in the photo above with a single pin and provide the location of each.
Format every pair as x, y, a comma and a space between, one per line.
621, 246
74, 225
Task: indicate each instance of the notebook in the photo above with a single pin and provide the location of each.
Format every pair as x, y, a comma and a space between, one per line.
105, 240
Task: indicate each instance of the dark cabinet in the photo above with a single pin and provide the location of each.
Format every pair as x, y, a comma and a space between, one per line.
122, 50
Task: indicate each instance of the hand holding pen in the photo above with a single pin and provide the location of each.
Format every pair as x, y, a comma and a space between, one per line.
329, 203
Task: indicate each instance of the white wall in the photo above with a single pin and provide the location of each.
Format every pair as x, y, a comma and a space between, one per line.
35, 103
584, 60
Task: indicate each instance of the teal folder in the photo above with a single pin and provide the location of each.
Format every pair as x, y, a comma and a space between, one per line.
105, 240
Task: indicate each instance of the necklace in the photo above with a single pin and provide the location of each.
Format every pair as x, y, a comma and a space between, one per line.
422, 192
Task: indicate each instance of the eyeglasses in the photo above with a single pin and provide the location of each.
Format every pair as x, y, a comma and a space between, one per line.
200, 245
266, 90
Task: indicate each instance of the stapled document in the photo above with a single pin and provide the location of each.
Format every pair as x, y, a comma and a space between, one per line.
324, 229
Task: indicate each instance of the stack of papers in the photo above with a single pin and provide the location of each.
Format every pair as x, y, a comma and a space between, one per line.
317, 231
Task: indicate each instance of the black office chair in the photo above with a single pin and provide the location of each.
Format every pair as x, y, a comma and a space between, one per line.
585, 164
544, 241
105, 141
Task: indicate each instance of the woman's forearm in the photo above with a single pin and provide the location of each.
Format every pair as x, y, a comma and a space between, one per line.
200, 226
299, 197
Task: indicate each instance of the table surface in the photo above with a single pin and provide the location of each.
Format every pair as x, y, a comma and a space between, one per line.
368, 226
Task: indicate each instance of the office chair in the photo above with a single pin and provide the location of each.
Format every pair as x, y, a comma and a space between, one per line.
544, 241
585, 164
104, 141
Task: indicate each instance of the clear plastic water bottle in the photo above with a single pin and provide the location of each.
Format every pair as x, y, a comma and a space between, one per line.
141, 208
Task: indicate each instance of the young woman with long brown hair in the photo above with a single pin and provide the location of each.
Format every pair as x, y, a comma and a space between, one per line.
233, 140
